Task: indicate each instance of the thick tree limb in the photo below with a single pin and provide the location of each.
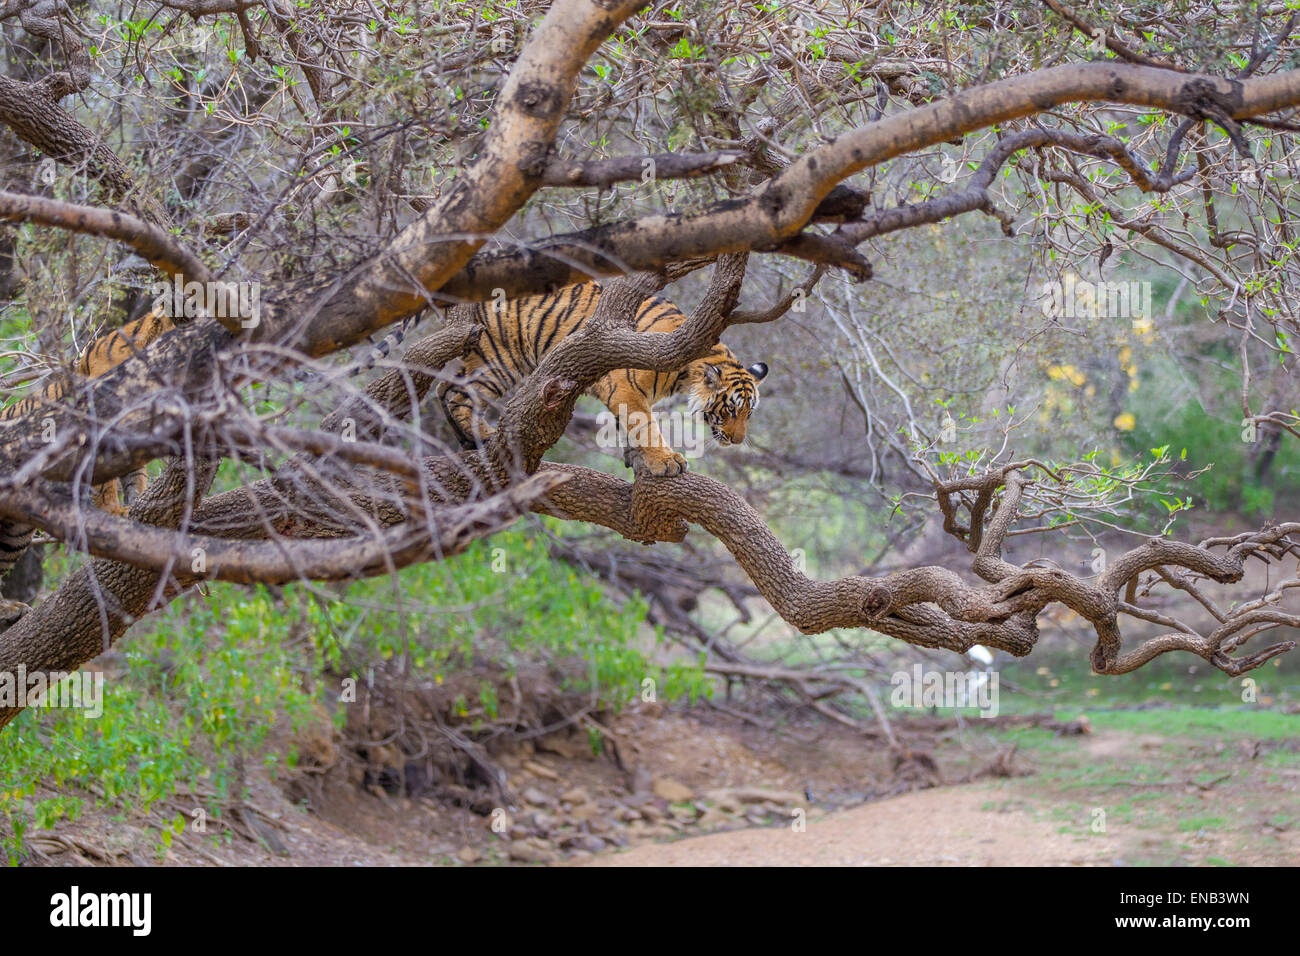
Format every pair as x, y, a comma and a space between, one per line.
774, 212
606, 172
512, 164
32, 111
151, 242
434, 535
780, 208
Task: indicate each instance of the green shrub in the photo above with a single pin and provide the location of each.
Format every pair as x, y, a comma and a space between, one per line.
208, 678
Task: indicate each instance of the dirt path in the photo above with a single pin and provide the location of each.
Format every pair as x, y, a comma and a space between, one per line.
950, 826
1209, 788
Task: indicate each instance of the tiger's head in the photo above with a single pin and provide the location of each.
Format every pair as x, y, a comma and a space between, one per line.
725, 392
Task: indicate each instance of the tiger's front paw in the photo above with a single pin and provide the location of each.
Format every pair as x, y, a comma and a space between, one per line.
660, 462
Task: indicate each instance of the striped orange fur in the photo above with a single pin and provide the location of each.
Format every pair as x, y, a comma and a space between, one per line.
102, 356
518, 333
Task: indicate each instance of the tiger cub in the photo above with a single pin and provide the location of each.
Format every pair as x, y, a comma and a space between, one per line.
518, 333
102, 356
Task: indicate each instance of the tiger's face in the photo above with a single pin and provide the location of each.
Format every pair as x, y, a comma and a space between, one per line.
725, 392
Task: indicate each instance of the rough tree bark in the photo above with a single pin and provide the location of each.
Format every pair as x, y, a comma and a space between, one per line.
382, 509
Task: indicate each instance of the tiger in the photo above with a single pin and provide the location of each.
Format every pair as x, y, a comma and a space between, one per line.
517, 334
103, 355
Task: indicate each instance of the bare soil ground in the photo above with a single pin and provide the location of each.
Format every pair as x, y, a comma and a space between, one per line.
948, 826
1246, 815
703, 789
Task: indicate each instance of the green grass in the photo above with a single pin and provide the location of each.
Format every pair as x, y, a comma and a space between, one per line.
1051, 677
1206, 725
1176, 784
1246, 721
1197, 823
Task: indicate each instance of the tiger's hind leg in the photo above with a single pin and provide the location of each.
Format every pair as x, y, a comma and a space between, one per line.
463, 407
20, 572
108, 497
135, 484
15, 540
23, 581
15, 551
117, 496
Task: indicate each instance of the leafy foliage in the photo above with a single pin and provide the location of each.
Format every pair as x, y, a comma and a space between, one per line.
205, 689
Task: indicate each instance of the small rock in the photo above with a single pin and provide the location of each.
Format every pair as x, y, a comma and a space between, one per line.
540, 770
528, 853
666, 788
563, 745
575, 796
467, 854
537, 798
585, 841
756, 795
713, 818
638, 780
627, 814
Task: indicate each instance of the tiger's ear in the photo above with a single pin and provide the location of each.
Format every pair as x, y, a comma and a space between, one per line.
712, 376
758, 370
